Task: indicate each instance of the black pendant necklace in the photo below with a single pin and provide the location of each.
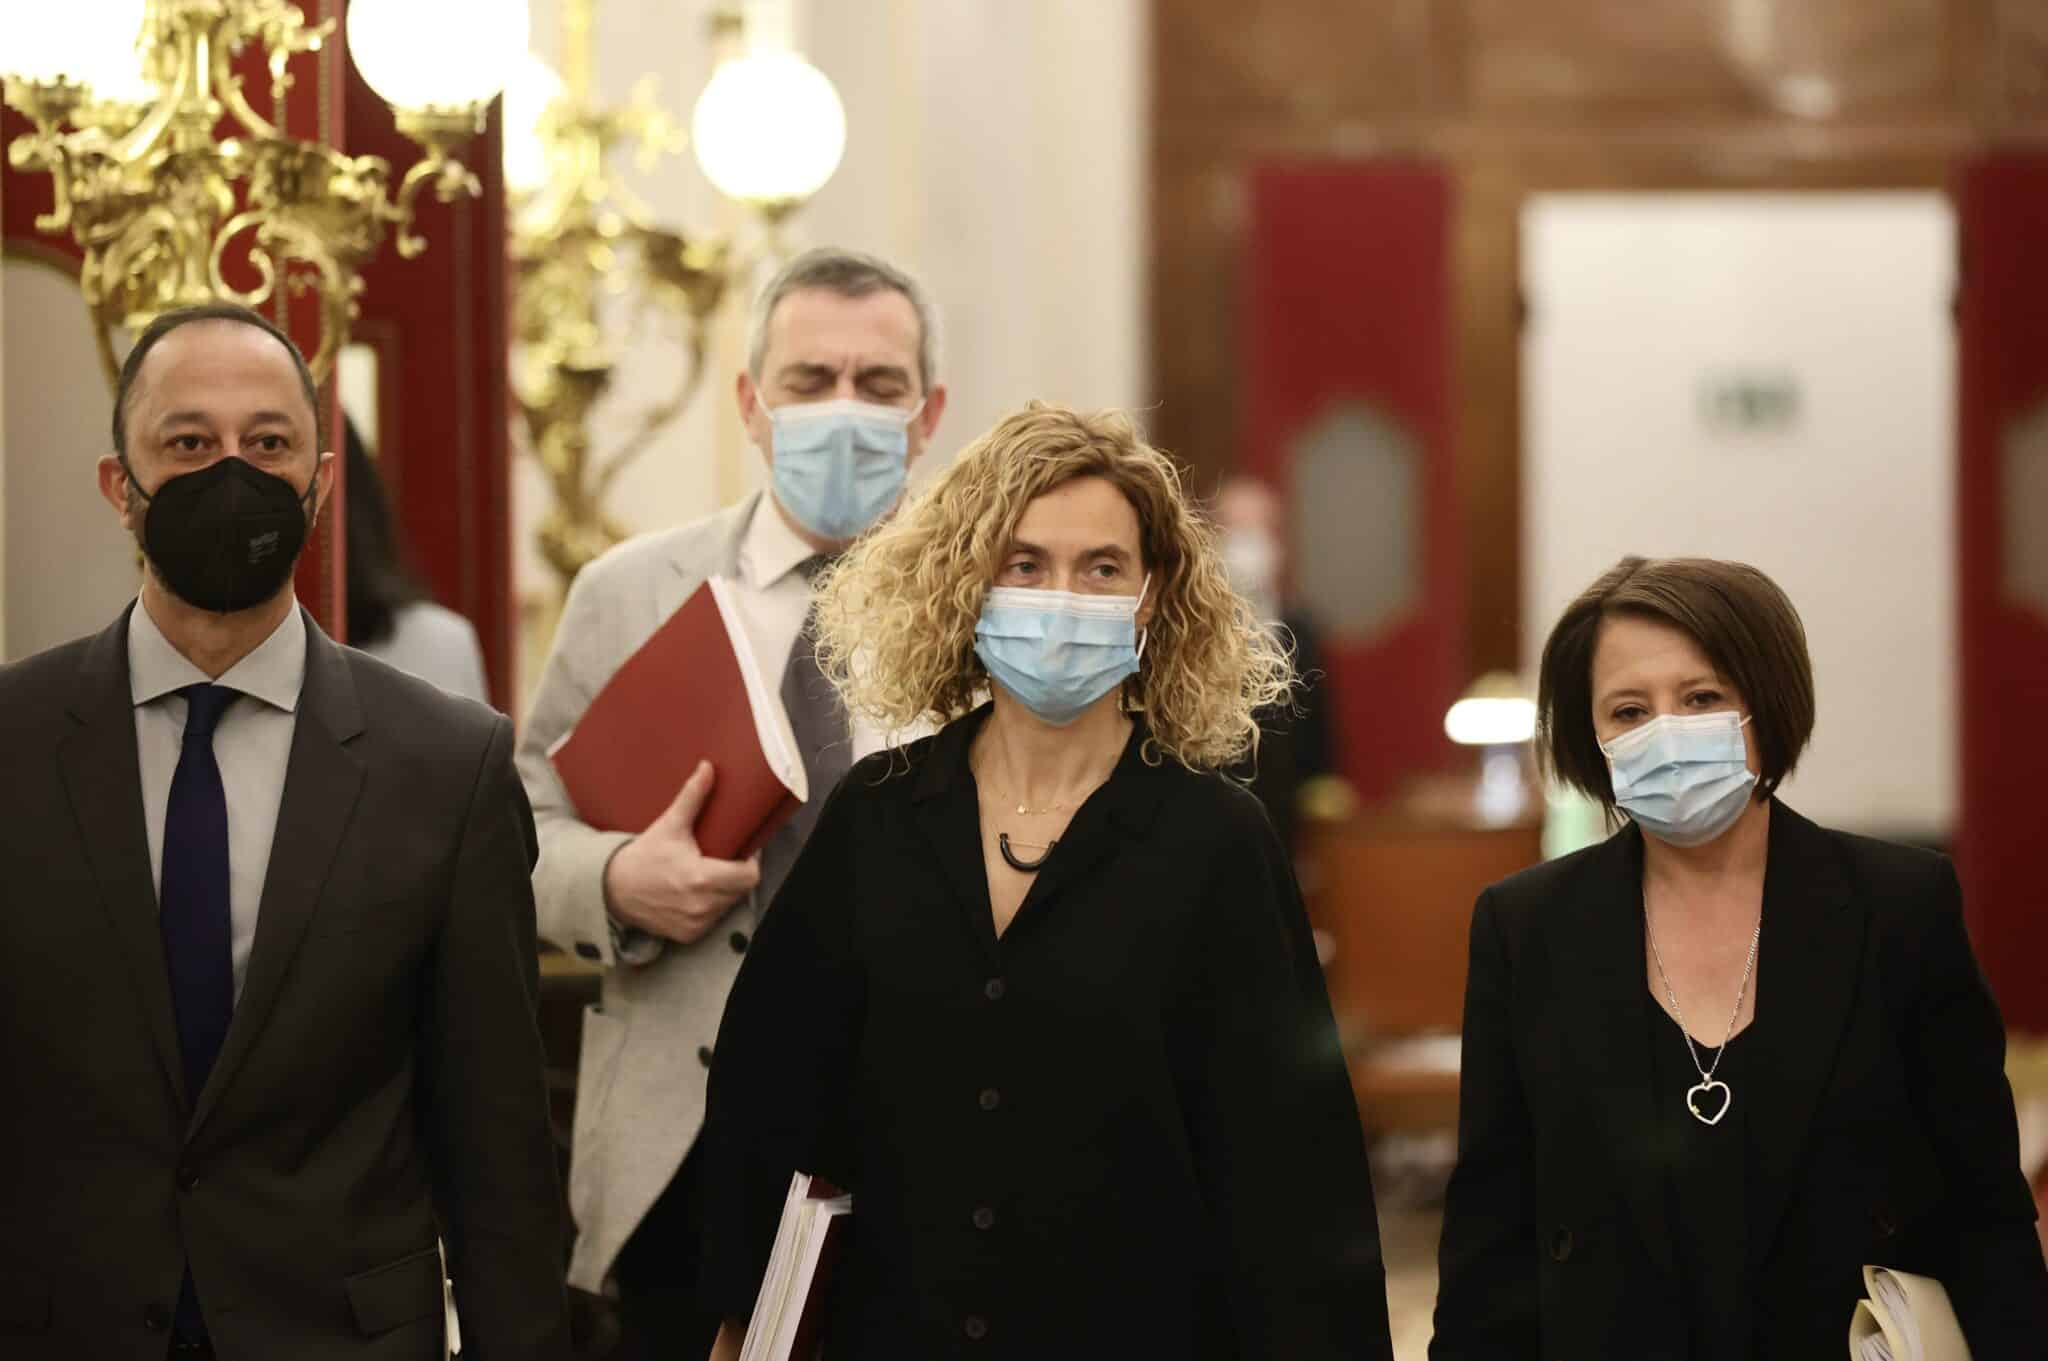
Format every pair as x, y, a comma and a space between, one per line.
1020, 865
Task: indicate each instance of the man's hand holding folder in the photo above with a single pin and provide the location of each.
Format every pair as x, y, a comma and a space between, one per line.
662, 883
691, 705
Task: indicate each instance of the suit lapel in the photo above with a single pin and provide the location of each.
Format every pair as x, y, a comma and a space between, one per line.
1608, 1026
321, 786
698, 557
1807, 967
103, 777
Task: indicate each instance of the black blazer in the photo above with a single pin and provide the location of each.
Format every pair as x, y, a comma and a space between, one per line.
1880, 1115
1124, 1129
382, 1077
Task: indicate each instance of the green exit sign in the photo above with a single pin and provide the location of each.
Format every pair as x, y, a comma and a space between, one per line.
1742, 402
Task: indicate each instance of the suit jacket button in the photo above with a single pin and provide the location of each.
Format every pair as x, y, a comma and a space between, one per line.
976, 1327
739, 942
990, 1098
704, 1055
984, 1218
1561, 1245
585, 950
156, 1318
993, 990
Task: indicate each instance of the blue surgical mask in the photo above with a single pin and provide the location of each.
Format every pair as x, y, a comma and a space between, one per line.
840, 465
1057, 652
1683, 778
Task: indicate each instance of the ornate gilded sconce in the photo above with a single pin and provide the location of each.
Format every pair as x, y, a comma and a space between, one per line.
127, 98
768, 130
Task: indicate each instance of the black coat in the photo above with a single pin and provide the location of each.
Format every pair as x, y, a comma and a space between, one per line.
1124, 1129
1879, 1112
381, 1081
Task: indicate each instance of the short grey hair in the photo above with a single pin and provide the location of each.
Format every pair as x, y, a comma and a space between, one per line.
850, 274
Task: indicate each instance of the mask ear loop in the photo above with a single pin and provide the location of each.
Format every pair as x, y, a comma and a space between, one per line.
128, 472
1144, 634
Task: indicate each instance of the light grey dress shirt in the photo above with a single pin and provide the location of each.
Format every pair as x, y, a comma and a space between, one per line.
775, 599
252, 746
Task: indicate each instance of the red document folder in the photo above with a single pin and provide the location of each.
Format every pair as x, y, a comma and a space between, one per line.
691, 693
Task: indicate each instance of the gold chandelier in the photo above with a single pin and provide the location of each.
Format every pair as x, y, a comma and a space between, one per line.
127, 97
768, 131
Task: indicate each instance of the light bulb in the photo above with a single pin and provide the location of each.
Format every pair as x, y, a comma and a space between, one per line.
445, 54
769, 128
1490, 722
533, 86
89, 42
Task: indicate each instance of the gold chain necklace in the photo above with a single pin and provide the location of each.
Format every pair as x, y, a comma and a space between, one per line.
1025, 810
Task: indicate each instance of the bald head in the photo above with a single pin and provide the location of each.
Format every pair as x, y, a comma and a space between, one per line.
136, 371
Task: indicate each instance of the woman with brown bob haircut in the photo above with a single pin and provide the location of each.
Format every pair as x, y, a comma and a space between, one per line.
1717, 1064
1040, 990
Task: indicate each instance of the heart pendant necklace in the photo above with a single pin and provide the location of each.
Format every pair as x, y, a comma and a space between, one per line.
1707, 1089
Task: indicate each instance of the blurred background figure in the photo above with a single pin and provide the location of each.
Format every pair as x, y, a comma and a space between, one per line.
390, 614
1294, 740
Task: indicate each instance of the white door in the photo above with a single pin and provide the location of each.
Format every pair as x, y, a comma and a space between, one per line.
1769, 378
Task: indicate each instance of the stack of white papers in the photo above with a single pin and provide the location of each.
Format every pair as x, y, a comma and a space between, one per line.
1906, 1318
788, 1320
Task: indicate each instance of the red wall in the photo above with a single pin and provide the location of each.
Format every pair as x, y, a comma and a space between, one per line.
2003, 373
439, 325
1349, 299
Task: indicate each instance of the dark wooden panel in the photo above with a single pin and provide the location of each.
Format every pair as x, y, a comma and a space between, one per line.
1705, 58
2019, 42
1198, 226
1573, 58
1486, 302
1333, 60
1515, 98
1828, 58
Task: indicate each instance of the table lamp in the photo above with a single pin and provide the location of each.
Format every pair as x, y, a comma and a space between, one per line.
1496, 715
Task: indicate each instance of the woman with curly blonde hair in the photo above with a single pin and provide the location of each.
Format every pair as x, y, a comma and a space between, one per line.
1040, 991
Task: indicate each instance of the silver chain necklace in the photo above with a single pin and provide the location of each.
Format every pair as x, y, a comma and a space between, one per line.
1707, 1085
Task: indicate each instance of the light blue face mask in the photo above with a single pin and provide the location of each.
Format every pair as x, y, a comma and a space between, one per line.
839, 466
1683, 778
1057, 652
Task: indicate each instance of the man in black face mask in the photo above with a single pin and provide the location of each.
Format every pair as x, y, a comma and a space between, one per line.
267, 958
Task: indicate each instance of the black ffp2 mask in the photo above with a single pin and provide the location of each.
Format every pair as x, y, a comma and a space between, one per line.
226, 537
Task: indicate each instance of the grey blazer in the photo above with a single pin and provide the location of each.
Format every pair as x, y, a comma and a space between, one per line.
646, 1047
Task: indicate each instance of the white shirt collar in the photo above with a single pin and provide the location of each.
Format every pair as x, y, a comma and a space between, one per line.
770, 550
274, 673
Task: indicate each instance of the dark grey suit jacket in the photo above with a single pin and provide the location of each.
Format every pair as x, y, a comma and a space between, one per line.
381, 1082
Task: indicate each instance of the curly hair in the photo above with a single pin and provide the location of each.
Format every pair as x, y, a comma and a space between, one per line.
897, 614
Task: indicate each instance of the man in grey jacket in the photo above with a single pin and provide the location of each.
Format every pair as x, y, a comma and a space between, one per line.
840, 396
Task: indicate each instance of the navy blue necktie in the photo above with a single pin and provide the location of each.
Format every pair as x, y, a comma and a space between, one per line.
193, 897
197, 926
